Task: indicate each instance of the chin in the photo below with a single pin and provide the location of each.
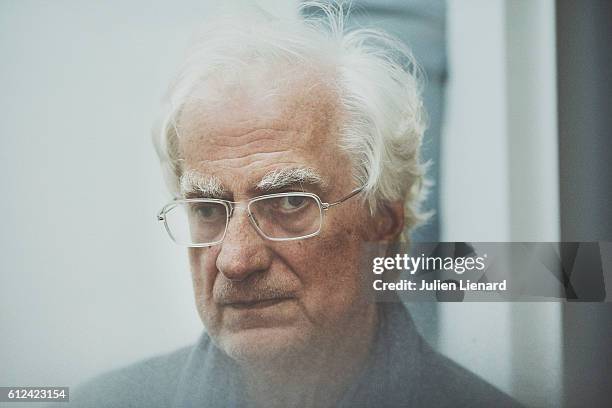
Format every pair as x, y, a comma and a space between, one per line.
267, 346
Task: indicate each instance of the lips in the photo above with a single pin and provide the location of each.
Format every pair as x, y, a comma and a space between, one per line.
256, 304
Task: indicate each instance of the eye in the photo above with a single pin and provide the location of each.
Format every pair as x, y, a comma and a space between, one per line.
289, 203
209, 211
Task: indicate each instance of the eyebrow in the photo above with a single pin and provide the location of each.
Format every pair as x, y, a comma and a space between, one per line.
287, 177
194, 183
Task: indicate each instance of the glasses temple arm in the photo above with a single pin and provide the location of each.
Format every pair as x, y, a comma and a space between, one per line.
343, 199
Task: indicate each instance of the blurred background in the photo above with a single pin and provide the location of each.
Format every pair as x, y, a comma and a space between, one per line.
518, 94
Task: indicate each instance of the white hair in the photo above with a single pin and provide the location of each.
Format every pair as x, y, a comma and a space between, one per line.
191, 181
375, 75
281, 178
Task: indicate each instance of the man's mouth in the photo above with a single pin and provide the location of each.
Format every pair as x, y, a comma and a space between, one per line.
257, 304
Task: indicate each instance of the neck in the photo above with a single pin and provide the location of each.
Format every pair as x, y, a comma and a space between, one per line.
320, 376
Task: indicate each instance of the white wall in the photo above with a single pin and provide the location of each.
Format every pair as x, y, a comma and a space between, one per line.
500, 183
88, 278
475, 195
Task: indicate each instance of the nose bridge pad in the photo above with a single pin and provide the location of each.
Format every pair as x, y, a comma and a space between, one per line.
253, 220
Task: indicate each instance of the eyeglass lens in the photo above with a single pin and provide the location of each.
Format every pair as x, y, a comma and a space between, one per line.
287, 217
282, 217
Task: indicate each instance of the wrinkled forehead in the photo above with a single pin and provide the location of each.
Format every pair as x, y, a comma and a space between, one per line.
288, 95
262, 123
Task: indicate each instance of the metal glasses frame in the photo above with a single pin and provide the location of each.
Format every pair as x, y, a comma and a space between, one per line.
231, 205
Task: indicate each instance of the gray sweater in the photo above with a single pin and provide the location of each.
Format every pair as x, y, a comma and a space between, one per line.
403, 371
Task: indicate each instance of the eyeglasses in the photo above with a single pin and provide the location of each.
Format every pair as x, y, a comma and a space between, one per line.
202, 222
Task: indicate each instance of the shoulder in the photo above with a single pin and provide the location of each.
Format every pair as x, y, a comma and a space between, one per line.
433, 379
149, 383
445, 383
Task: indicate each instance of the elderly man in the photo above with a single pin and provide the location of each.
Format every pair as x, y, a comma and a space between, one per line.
292, 147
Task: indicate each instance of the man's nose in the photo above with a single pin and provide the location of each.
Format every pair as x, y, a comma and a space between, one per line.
243, 251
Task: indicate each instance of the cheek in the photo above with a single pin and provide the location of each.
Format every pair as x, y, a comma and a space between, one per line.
329, 265
203, 273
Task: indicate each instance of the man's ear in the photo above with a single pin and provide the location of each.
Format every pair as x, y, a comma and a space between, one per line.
388, 221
